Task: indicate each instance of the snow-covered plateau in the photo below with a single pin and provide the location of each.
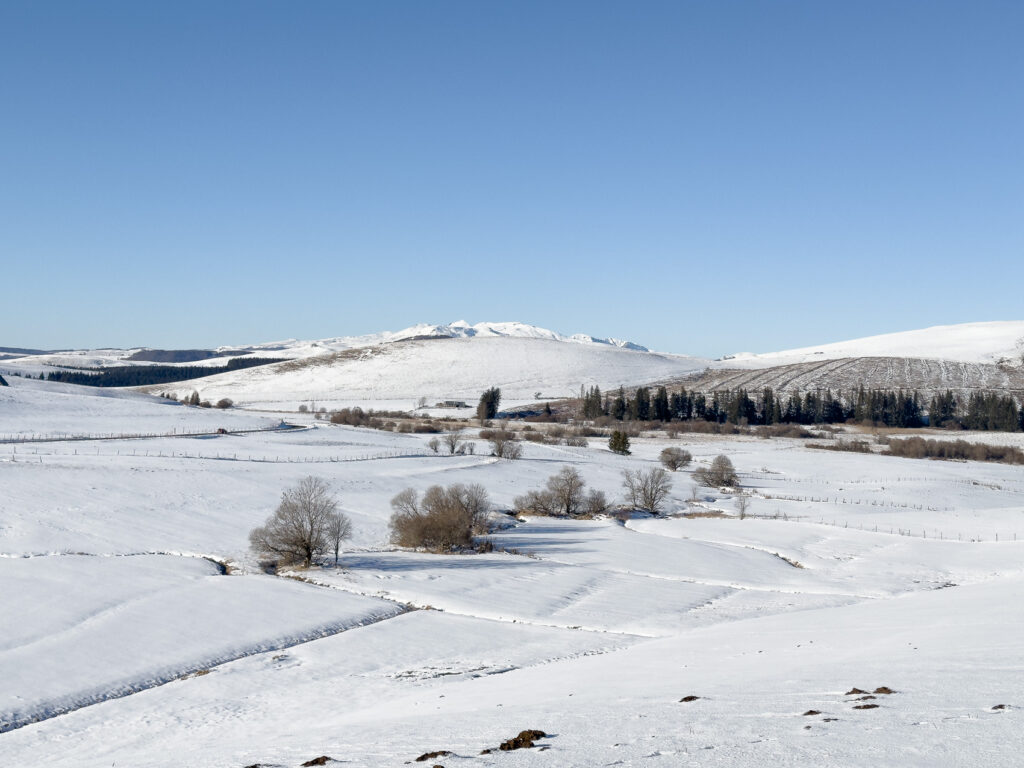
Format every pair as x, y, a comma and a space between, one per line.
138, 629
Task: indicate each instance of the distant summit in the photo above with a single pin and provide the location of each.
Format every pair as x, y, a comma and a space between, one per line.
459, 329
462, 329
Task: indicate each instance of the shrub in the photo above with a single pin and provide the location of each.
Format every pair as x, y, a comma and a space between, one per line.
444, 519
305, 525
225, 402
595, 503
851, 446
452, 440
504, 444
647, 490
576, 442
675, 458
434, 444
919, 448
720, 474
784, 430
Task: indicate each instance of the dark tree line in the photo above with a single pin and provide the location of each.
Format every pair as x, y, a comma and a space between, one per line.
984, 411
891, 408
141, 375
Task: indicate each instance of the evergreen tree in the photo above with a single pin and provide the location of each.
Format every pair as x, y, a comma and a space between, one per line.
641, 405
619, 442
620, 405
487, 408
660, 405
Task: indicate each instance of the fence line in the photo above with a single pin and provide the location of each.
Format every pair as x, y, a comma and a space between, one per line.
32, 455
62, 437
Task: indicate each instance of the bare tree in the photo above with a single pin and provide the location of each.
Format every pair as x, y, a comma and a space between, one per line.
434, 444
742, 505
675, 458
647, 490
339, 528
452, 440
504, 445
720, 474
595, 503
305, 525
563, 494
566, 489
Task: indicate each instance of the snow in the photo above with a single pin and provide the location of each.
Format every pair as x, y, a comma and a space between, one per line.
442, 369
854, 570
120, 625
988, 342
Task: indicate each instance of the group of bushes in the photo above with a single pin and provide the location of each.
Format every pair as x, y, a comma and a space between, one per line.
919, 448
564, 494
444, 519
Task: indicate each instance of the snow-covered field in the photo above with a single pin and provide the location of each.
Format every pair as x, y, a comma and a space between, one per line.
851, 570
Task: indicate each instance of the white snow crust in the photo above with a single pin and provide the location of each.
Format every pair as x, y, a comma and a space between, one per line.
852, 570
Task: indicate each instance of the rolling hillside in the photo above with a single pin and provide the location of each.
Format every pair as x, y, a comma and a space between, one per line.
443, 368
848, 373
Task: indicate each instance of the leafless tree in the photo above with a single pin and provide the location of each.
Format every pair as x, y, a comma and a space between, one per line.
434, 444
675, 458
720, 474
566, 489
563, 494
452, 440
504, 445
305, 525
647, 490
339, 528
742, 505
595, 503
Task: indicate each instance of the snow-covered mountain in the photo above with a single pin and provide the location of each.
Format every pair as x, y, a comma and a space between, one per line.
989, 342
460, 329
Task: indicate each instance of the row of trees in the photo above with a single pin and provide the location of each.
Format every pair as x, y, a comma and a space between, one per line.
141, 375
892, 408
983, 411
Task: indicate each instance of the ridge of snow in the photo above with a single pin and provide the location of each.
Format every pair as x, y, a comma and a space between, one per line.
459, 329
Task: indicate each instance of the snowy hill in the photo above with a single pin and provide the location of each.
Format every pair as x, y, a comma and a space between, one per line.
443, 368
990, 343
35, 361
457, 330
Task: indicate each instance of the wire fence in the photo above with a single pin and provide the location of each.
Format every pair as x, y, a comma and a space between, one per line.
62, 437
37, 456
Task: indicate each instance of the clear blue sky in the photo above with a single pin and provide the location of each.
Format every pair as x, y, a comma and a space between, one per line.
698, 177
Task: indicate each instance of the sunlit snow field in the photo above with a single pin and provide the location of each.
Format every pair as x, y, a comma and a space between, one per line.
852, 570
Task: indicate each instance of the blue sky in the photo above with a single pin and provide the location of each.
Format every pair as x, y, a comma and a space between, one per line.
702, 178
